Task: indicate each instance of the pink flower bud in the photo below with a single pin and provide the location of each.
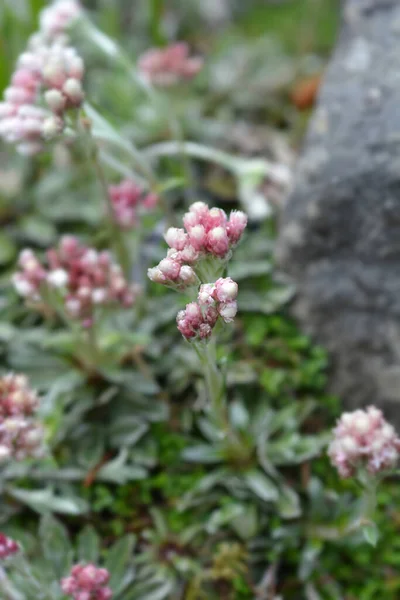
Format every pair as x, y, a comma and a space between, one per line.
72, 88
176, 238
236, 225
228, 310
226, 289
55, 100
197, 237
193, 314
52, 127
156, 275
218, 242
170, 268
187, 276
8, 547
206, 294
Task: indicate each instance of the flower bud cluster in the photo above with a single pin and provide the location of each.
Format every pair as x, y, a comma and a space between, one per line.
20, 435
165, 67
363, 439
47, 66
56, 18
128, 200
8, 547
208, 233
214, 300
83, 278
87, 582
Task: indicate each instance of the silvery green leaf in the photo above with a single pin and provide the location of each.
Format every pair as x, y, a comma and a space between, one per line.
289, 505
245, 270
246, 524
371, 533
262, 486
88, 543
127, 430
118, 471
202, 453
239, 415
44, 501
223, 516
118, 560
56, 546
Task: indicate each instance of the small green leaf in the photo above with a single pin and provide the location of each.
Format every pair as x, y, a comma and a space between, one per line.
371, 533
262, 486
56, 545
88, 544
118, 560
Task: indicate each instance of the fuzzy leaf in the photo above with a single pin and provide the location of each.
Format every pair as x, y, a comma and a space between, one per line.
88, 544
262, 486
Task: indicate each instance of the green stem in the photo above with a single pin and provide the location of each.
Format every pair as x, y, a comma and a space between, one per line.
215, 384
115, 233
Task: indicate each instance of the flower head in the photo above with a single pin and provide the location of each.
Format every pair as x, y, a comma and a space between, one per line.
213, 301
83, 278
87, 582
208, 234
363, 439
128, 201
168, 66
8, 547
48, 68
21, 435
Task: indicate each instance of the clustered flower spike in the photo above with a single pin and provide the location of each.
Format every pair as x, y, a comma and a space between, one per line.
83, 278
208, 234
363, 439
214, 300
128, 200
8, 547
20, 434
165, 67
87, 582
50, 67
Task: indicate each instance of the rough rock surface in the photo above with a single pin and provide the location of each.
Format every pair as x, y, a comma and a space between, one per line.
340, 230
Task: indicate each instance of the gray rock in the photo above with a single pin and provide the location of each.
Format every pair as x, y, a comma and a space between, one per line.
340, 230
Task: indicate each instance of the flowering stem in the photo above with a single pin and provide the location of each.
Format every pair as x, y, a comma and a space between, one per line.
117, 239
215, 384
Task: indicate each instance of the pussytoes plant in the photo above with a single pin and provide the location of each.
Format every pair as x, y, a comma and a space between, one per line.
135, 386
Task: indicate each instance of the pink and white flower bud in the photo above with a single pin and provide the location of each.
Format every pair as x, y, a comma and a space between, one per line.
176, 238
87, 582
228, 310
193, 314
57, 278
170, 268
236, 225
188, 255
156, 275
72, 88
216, 218
218, 242
190, 219
187, 276
55, 100
8, 547
206, 294
226, 289
197, 237
52, 127
363, 439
